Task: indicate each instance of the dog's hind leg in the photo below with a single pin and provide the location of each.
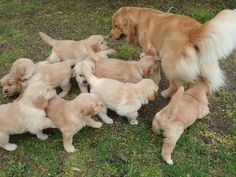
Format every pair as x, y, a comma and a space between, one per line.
65, 89
4, 142
132, 118
155, 124
44, 124
172, 134
103, 115
67, 141
173, 87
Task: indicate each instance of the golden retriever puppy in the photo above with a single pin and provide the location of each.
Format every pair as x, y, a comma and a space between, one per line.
11, 86
183, 110
26, 115
55, 75
81, 80
67, 49
71, 116
187, 48
123, 98
125, 71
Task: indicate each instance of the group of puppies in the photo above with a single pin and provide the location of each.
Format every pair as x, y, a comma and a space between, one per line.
182, 47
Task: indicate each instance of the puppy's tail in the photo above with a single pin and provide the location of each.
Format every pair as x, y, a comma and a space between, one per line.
47, 39
213, 41
175, 99
88, 68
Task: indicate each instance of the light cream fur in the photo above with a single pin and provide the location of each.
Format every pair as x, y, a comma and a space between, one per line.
124, 71
55, 75
123, 98
68, 49
26, 115
183, 110
71, 116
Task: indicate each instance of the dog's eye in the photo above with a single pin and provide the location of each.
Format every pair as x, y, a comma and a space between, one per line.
80, 75
115, 26
101, 42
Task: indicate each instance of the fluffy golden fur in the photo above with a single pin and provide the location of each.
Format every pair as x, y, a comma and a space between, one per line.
123, 98
55, 75
124, 71
187, 49
26, 115
67, 49
183, 110
71, 116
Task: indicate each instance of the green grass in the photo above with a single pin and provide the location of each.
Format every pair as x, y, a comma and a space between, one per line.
207, 148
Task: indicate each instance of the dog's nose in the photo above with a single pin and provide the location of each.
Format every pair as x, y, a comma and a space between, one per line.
5, 91
85, 82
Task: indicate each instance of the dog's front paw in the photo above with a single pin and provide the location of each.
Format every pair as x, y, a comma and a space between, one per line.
98, 125
133, 122
10, 147
70, 148
108, 121
42, 136
170, 162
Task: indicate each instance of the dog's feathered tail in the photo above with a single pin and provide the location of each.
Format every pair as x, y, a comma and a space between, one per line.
174, 100
88, 69
213, 41
47, 39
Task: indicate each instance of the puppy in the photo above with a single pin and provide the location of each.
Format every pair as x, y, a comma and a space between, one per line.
125, 71
187, 48
123, 98
26, 115
55, 75
71, 116
182, 111
11, 86
67, 49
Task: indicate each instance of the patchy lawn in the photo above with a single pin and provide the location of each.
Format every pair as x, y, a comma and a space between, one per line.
205, 149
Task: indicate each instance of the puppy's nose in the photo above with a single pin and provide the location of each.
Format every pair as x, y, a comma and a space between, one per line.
5, 91
85, 82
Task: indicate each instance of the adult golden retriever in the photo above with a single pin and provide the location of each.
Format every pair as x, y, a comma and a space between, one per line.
187, 48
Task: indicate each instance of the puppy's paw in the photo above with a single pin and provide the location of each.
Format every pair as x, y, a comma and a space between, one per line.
62, 94
165, 93
98, 125
10, 147
108, 121
133, 122
69, 148
42, 136
170, 162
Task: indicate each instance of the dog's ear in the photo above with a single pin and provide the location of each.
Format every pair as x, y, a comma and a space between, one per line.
87, 111
19, 71
40, 102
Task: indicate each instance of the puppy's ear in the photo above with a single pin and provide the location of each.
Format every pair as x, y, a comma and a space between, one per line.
87, 111
41, 102
19, 72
